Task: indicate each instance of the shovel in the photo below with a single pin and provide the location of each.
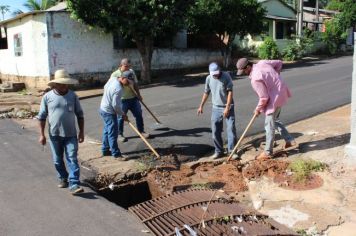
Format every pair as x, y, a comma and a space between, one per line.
144, 139
158, 124
242, 137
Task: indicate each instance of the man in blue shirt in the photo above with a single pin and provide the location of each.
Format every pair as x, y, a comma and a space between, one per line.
219, 84
62, 106
110, 108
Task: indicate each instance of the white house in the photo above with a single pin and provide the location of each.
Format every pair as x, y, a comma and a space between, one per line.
34, 45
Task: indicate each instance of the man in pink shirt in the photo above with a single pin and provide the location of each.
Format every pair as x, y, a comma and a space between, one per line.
273, 93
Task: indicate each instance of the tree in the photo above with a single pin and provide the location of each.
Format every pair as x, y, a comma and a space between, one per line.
37, 5
4, 9
227, 19
140, 20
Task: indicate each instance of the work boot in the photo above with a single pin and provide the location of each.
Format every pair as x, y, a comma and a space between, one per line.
122, 138
76, 189
63, 183
145, 135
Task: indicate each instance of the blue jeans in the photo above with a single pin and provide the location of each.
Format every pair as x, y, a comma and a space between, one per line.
132, 104
68, 146
217, 118
110, 133
272, 122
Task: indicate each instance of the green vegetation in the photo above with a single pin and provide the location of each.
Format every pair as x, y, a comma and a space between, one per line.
302, 169
299, 48
226, 19
202, 186
268, 49
143, 21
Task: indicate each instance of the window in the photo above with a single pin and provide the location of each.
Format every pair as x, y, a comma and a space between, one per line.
3, 38
18, 45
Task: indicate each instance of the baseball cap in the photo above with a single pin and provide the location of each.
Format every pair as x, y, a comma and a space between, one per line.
241, 65
214, 69
127, 74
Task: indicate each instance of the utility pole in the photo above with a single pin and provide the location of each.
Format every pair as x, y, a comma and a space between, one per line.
300, 19
317, 15
350, 149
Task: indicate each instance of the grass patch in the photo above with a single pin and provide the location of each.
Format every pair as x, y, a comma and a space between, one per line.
22, 92
302, 169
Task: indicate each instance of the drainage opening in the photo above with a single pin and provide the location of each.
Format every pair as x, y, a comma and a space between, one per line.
127, 195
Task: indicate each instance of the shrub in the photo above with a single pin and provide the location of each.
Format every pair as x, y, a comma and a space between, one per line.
268, 50
297, 50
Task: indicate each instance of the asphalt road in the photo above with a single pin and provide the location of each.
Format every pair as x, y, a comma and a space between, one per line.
32, 205
317, 86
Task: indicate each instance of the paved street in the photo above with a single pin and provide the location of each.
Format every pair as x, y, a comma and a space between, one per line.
31, 204
317, 86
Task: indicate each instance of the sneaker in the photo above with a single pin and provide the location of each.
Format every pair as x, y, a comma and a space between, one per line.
122, 138
216, 156
290, 145
63, 183
234, 156
263, 156
75, 189
122, 158
145, 135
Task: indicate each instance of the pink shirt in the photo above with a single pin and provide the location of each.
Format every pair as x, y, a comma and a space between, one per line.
272, 91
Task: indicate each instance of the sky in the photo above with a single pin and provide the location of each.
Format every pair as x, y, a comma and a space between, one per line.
14, 5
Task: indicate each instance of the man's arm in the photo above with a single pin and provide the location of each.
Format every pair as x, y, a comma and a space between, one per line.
42, 116
228, 103
276, 64
262, 94
203, 101
81, 129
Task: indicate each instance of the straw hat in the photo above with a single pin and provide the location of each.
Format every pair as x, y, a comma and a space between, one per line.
62, 77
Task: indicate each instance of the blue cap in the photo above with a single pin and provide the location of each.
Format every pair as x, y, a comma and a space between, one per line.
214, 69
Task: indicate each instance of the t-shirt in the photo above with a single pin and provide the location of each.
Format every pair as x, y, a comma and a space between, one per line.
61, 112
127, 92
219, 89
111, 100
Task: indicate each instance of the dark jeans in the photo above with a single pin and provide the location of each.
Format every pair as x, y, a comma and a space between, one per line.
110, 133
132, 104
69, 147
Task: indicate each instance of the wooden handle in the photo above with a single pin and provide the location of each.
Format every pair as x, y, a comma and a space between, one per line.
242, 137
144, 139
154, 117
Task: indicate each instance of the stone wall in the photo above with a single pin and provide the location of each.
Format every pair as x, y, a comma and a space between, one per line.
38, 82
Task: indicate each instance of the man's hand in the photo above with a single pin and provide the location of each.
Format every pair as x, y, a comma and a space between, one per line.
139, 97
257, 113
226, 112
124, 116
81, 137
42, 140
200, 110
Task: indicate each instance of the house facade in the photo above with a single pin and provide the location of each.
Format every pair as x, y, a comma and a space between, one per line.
34, 45
279, 23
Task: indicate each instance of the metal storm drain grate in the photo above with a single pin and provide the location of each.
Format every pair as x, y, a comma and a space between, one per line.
182, 213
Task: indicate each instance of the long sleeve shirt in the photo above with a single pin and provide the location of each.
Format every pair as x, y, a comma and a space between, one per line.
271, 89
111, 100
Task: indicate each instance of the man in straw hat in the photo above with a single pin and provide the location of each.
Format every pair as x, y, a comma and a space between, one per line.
61, 106
130, 99
273, 93
219, 84
110, 108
